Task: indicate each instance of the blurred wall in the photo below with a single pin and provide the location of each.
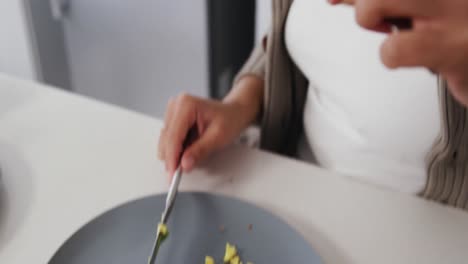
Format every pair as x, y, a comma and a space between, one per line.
16, 56
139, 53
135, 54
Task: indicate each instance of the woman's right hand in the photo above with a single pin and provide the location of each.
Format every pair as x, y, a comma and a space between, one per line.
218, 124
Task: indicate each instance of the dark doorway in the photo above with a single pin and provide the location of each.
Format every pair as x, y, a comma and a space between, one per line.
231, 33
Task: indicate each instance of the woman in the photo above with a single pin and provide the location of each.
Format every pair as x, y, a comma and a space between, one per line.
317, 74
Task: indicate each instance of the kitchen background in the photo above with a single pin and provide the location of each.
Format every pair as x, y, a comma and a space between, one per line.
136, 53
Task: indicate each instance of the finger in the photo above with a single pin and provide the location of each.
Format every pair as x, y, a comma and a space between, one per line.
162, 135
210, 141
169, 110
372, 13
457, 84
347, 2
161, 143
183, 119
408, 49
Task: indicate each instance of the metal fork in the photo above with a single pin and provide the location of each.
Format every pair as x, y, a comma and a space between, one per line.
170, 199
172, 193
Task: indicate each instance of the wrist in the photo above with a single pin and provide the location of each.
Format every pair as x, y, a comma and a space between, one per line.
246, 98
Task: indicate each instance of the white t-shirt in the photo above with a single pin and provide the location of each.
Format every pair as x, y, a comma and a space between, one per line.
361, 119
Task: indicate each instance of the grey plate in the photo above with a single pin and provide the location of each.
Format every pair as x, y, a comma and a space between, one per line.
125, 234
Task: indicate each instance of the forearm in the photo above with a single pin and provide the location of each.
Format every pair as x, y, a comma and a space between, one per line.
247, 96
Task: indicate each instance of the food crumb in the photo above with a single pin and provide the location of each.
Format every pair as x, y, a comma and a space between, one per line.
231, 257
250, 227
231, 252
209, 260
162, 229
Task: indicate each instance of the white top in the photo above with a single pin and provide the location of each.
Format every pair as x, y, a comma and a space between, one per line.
66, 159
361, 119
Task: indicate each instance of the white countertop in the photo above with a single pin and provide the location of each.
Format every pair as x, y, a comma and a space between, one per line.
65, 159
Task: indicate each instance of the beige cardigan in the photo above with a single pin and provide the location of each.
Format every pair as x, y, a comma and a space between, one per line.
285, 94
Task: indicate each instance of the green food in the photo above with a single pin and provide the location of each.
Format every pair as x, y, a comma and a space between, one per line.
231, 252
235, 260
209, 260
230, 256
162, 231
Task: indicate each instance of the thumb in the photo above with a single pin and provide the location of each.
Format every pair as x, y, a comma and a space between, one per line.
334, 2
209, 141
410, 49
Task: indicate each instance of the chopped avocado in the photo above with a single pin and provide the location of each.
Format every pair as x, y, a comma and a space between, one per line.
235, 260
231, 257
209, 260
162, 230
231, 252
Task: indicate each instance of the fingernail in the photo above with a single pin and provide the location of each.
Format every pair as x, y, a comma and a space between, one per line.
188, 162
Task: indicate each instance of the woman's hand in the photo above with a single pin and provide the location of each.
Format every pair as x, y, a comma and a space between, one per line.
437, 40
218, 123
